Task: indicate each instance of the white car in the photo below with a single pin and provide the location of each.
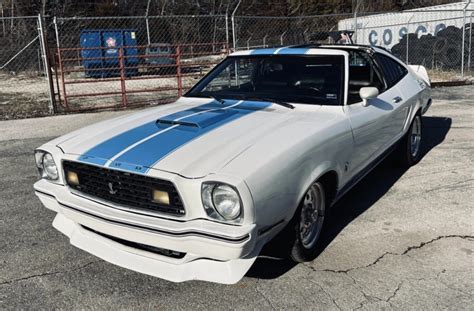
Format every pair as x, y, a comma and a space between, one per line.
269, 139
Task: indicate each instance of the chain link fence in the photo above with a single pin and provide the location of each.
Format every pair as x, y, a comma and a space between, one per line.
257, 31
23, 83
438, 38
116, 62
126, 61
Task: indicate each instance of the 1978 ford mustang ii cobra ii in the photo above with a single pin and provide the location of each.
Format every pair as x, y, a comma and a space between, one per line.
267, 141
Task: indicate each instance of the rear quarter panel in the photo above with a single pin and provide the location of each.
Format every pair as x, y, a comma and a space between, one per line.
417, 93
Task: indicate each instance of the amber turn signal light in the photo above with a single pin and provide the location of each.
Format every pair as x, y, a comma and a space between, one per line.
161, 197
72, 178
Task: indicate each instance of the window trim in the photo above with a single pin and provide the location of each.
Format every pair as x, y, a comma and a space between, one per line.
405, 73
375, 67
344, 82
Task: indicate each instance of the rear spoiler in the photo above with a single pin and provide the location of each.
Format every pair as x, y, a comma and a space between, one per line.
421, 72
339, 37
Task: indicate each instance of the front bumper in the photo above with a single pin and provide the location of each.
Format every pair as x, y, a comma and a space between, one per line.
213, 252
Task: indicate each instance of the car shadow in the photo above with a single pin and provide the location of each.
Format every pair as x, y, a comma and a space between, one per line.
273, 263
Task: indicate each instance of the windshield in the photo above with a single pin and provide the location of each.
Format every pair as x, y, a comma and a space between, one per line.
307, 79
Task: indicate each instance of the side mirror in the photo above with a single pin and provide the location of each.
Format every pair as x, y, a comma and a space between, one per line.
367, 93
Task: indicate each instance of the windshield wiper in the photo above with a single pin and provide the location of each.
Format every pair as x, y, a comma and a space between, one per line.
217, 99
278, 102
253, 97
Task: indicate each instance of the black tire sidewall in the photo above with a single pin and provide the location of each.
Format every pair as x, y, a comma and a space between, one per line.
298, 252
407, 158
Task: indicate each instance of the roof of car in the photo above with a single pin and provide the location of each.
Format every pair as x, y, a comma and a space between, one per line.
305, 49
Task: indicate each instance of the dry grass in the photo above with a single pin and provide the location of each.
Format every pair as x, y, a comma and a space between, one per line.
449, 76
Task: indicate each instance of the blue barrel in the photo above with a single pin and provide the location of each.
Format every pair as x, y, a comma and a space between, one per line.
105, 62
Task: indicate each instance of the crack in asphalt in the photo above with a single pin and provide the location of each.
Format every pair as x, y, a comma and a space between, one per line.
456, 185
327, 293
47, 274
450, 236
264, 296
394, 293
368, 298
410, 248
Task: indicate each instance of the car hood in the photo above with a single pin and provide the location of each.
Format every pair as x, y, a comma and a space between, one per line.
193, 137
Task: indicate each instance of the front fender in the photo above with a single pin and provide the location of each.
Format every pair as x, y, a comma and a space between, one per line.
278, 186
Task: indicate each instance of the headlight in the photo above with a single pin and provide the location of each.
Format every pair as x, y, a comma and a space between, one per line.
221, 201
46, 166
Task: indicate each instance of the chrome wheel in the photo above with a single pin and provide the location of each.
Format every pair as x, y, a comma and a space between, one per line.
415, 136
312, 215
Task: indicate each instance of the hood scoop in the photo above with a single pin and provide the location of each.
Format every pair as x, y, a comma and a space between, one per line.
198, 120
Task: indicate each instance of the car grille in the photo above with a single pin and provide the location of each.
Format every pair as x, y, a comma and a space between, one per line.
127, 189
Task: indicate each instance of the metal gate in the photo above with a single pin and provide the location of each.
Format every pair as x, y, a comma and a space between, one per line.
120, 62
100, 81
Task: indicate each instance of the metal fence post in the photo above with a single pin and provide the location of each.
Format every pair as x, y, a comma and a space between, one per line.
56, 31
122, 77
470, 42
281, 37
355, 27
233, 32
178, 71
39, 60
147, 22
463, 36
63, 82
234, 37
462, 40
3, 20
408, 36
227, 29
46, 65
356, 9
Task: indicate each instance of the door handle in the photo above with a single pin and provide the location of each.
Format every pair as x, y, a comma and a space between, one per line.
397, 99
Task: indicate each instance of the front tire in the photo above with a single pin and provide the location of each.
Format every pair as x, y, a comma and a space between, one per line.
308, 223
410, 148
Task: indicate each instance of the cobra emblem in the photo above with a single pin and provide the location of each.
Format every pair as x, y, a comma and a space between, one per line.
111, 188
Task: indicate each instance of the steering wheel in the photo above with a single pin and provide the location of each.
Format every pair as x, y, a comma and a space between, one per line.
312, 88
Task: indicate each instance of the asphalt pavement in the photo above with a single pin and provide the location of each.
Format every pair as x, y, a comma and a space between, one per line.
401, 239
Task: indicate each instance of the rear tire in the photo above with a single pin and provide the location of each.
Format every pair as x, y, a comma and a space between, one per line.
307, 223
410, 147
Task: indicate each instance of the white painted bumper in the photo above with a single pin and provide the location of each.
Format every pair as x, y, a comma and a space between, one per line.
214, 252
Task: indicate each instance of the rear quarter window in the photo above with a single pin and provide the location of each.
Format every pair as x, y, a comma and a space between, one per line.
393, 70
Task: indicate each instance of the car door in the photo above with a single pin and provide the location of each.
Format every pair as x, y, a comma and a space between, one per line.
371, 124
402, 96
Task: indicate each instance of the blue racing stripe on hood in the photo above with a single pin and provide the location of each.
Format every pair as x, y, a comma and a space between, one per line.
102, 152
145, 155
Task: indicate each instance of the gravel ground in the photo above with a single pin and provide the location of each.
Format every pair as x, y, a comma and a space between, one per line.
399, 240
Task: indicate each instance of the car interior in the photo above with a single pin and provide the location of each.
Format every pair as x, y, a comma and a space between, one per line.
361, 74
